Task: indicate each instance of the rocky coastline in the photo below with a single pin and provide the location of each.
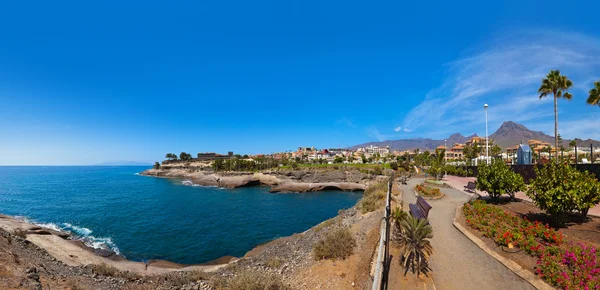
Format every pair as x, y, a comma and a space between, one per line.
279, 181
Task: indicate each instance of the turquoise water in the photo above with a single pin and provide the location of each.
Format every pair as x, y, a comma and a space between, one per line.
153, 218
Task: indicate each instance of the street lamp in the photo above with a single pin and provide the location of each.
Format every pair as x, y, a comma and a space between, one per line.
487, 156
445, 155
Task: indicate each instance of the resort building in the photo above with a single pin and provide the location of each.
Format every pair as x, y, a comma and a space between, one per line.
454, 153
382, 151
214, 156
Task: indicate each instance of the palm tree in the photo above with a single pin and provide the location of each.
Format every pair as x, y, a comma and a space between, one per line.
496, 150
594, 98
555, 84
414, 244
572, 144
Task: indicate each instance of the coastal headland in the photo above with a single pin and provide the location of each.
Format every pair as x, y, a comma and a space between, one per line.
279, 181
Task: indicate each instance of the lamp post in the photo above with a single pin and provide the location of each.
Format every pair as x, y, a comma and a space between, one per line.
487, 156
445, 155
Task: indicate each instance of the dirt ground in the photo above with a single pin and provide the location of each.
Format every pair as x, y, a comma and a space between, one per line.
396, 278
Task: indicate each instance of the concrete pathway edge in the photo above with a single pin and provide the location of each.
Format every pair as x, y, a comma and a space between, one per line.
528, 276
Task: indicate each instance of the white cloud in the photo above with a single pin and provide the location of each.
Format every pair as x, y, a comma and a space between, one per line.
506, 75
407, 130
397, 129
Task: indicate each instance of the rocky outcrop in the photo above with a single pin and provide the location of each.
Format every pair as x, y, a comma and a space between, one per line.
280, 181
307, 187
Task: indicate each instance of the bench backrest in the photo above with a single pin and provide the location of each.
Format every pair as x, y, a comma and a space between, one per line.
471, 184
421, 203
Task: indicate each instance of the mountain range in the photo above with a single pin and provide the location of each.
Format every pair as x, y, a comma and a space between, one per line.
509, 134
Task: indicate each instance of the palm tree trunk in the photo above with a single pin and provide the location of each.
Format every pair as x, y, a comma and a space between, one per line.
555, 128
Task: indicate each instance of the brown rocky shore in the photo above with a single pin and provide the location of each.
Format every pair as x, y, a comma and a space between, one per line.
279, 181
37, 258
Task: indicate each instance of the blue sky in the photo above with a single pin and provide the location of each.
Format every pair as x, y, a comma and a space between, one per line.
85, 83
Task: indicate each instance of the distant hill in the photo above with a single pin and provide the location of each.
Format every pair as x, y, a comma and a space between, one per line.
509, 134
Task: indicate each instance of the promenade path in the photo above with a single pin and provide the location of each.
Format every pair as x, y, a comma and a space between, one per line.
459, 183
457, 262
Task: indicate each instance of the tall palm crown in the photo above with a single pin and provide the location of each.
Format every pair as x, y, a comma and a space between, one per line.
557, 85
594, 98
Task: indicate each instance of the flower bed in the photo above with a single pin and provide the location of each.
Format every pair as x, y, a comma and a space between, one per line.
427, 190
566, 265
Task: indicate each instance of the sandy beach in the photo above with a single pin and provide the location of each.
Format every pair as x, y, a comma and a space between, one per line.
75, 253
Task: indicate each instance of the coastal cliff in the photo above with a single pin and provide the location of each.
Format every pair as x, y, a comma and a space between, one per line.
279, 181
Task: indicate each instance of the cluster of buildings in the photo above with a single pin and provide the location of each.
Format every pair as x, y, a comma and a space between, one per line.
347, 155
538, 151
534, 149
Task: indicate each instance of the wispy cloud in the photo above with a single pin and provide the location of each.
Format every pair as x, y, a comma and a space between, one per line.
506, 74
397, 129
375, 134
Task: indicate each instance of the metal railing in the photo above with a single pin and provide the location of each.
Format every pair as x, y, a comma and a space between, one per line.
380, 278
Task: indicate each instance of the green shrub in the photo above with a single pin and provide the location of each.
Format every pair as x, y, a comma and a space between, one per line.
255, 280
559, 188
377, 170
425, 190
498, 179
394, 165
336, 244
373, 197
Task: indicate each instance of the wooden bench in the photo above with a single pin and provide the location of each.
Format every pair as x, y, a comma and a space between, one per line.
470, 186
420, 209
403, 179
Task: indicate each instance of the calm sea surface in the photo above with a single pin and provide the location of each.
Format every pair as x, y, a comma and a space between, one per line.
153, 218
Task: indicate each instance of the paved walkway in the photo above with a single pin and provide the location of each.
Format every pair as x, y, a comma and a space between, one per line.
457, 262
459, 183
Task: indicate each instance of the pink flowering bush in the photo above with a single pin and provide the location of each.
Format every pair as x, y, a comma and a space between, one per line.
568, 266
573, 267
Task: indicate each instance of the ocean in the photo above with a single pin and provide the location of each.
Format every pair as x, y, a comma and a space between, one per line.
143, 217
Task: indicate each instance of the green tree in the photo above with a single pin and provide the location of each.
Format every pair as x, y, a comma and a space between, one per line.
498, 179
183, 156
156, 165
414, 243
559, 189
338, 159
594, 97
557, 85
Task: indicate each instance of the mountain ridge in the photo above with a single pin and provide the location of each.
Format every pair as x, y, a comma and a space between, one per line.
508, 134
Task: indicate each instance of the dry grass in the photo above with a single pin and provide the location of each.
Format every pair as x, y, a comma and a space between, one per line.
275, 263
20, 233
336, 244
110, 271
254, 280
374, 197
181, 278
